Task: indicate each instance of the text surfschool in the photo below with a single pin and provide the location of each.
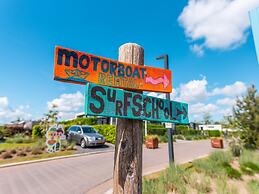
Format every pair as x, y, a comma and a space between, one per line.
129, 104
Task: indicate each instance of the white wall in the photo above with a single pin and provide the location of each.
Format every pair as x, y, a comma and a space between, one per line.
210, 127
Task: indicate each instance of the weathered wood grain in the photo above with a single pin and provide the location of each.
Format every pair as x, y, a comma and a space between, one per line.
127, 177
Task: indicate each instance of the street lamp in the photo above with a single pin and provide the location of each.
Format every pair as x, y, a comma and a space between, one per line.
169, 130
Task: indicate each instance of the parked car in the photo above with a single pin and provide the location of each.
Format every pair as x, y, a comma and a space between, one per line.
85, 136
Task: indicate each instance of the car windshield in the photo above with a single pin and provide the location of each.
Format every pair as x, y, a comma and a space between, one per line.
88, 130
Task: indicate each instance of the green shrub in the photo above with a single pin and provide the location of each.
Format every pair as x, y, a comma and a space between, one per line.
19, 138
231, 172
163, 139
4, 132
37, 132
108, 131
214, 133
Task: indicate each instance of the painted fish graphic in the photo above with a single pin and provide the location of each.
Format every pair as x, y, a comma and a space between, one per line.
76, 74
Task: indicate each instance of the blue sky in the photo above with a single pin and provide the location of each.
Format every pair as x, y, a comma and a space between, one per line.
211, 53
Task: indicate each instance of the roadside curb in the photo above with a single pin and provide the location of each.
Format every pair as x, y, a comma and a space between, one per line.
54, 158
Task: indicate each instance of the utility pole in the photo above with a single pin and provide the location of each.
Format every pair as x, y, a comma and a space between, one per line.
169, 130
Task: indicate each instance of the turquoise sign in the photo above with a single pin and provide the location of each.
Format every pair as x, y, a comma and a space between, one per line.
111, 102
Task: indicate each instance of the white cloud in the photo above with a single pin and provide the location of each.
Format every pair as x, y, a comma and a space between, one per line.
235, 89
68, 104
225, 111
3, 102
173, 94
193, 91
218, 24
226, 101
201, 108
8, 114
197, 49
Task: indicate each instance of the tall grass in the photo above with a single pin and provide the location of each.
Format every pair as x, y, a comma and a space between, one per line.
253, 186
173, 179
222, 187
249, 162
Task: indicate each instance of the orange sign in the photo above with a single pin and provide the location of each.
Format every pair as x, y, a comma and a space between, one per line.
79, 67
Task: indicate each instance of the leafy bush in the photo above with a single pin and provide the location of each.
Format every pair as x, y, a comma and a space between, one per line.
108, 131
214, 133
37, 131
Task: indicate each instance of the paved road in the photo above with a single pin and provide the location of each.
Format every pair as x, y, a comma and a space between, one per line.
80, 174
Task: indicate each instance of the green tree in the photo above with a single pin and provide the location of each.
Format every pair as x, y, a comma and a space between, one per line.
207, 118
50, 118
246, 117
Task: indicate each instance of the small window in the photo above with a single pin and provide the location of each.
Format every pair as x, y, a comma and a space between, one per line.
73, 129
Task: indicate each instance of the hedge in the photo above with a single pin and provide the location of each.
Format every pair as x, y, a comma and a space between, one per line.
155, 129
108, 131
214, 133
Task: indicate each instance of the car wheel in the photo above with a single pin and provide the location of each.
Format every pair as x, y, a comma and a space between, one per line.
83, 143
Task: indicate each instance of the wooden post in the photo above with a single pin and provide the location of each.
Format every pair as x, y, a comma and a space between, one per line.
127, 175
